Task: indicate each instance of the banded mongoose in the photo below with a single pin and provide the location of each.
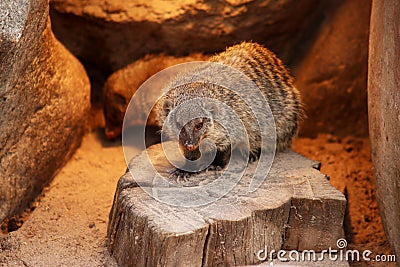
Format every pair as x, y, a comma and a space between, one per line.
271, 77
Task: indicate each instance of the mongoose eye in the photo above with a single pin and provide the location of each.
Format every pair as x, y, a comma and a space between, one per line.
198, 126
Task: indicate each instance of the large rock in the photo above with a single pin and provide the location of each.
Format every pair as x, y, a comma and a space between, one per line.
384, 114
332, 77
110, 34
44, 98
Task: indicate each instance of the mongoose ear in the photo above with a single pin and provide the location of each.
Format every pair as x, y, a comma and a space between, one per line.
167, 106
212, 107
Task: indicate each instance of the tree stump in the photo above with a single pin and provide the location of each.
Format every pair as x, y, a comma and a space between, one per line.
294, 208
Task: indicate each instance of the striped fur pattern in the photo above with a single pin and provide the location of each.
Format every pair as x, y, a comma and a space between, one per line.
271, 77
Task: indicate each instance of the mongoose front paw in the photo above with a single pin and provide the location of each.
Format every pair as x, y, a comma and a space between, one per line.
214, 168
180, 176
253, 157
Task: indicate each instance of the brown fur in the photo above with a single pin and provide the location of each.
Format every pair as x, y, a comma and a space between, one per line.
272, 78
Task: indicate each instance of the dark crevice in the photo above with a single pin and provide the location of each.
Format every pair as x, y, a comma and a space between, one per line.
15, 222
112, 235
317, 166
206, 245
287, 225
348, 230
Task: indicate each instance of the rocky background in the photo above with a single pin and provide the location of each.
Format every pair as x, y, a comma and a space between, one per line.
327, 56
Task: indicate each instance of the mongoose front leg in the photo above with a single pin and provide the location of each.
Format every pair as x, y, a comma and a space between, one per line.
180, 176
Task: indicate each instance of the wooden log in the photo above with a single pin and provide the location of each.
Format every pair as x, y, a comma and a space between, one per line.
384, 113
295, 207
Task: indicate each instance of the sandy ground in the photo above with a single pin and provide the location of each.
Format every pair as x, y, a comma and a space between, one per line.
348, 162
68, 225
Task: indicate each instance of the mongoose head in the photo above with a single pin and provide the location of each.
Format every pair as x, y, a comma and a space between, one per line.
191, 122
193, 132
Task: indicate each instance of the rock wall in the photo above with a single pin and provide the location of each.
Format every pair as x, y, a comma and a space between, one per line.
111, 34
384, 113
44, 100
332, 76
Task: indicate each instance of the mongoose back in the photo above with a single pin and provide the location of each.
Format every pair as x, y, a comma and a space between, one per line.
273, 80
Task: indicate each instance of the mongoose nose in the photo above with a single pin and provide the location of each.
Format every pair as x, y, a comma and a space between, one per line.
110, 134
190, 147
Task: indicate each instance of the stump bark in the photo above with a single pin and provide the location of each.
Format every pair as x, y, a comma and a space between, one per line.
294, 208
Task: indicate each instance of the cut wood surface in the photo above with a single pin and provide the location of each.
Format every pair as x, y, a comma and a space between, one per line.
294, 208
